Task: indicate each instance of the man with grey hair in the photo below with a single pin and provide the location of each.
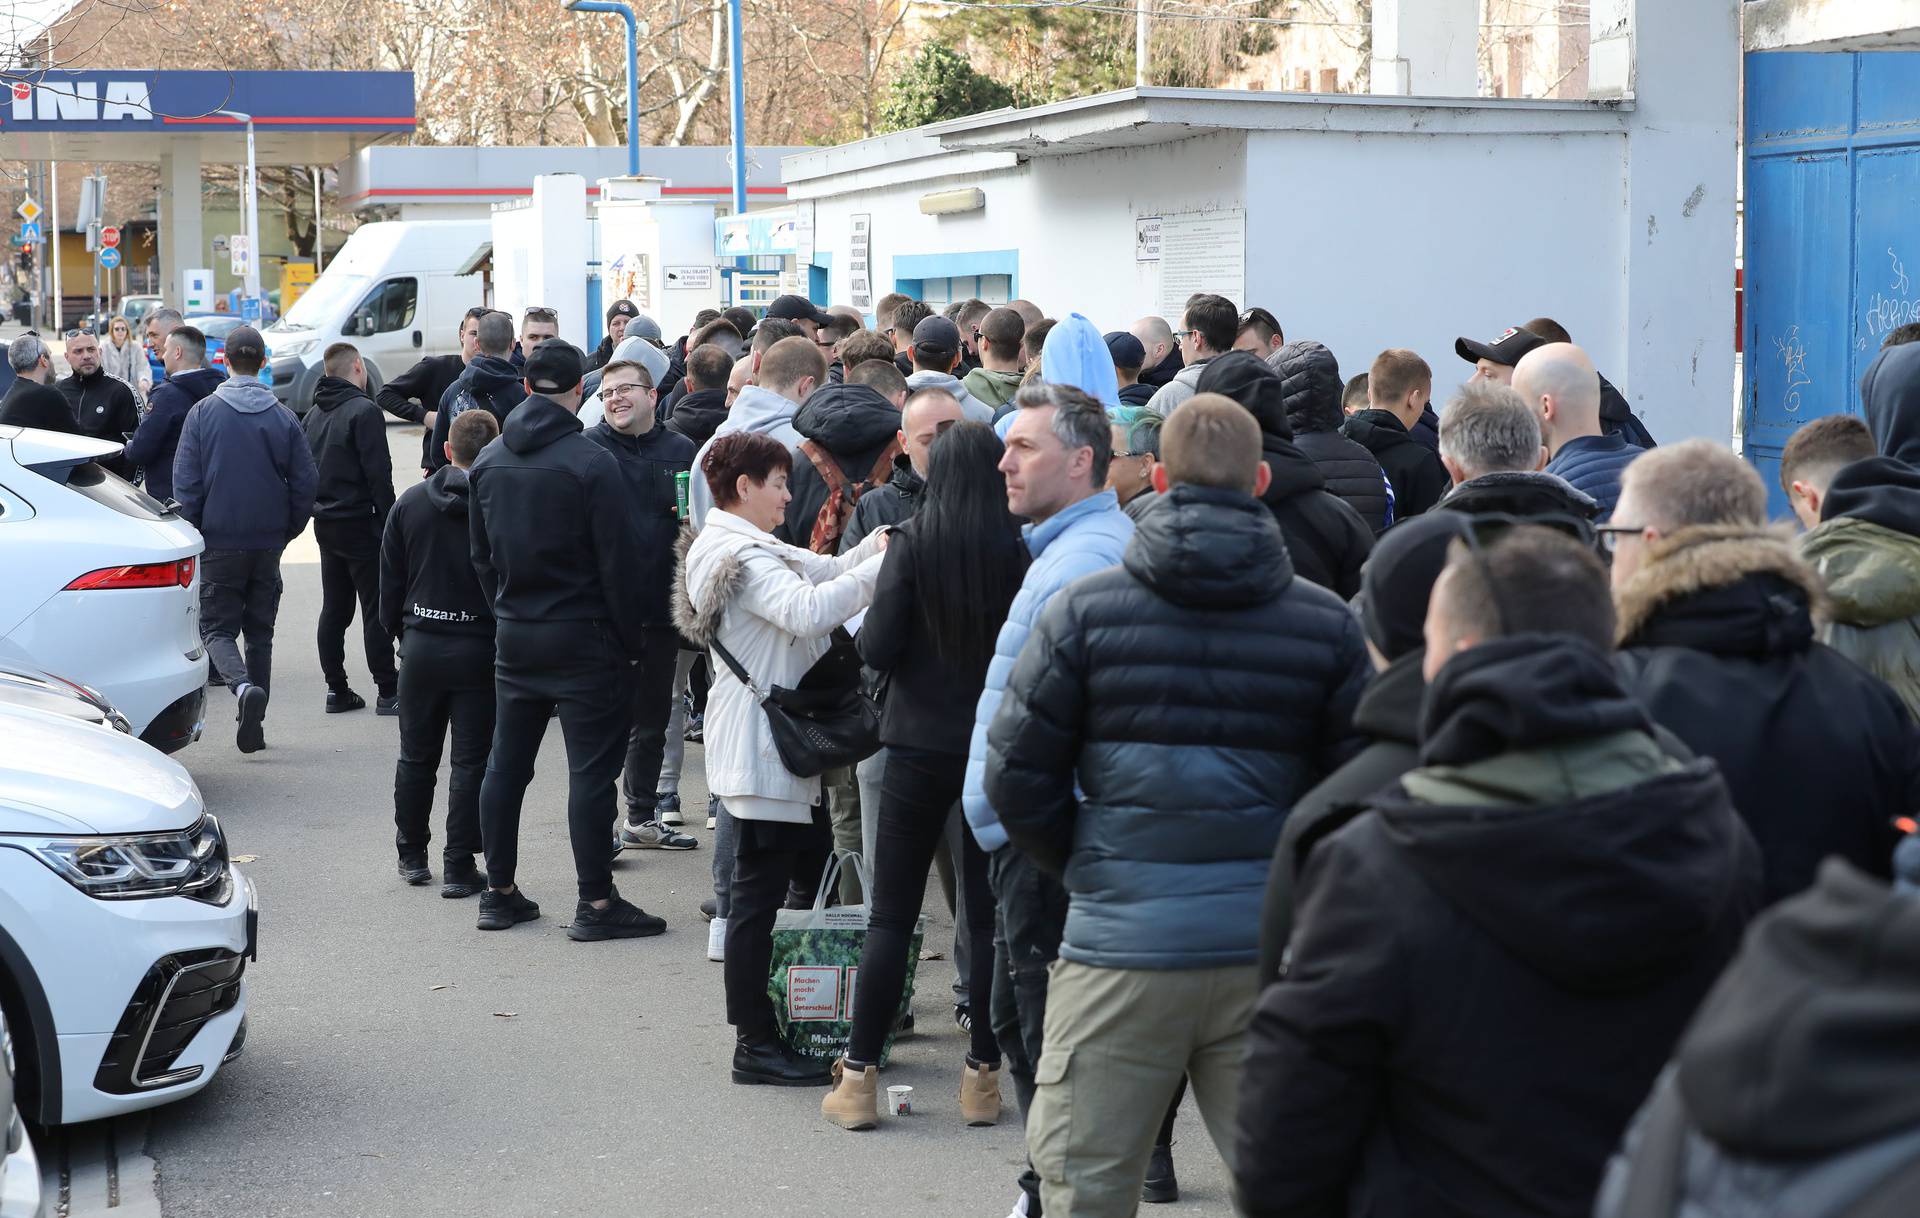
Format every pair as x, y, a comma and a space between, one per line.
1490, 444
1057, 453
1559, 383
160, 323
33, 401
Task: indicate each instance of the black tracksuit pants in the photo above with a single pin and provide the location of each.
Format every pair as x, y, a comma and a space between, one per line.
576, 667
350, 576
768, 856
649, 706
446, 681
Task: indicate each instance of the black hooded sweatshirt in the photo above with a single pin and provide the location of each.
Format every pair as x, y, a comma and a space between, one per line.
855, 426
551, 527
1879, 490
1327, 540
1310, 391
1164, 371
699, 414
491, 382
1476, 1044
427, 582
1418, 477
1890, 399
649, 462
348, 436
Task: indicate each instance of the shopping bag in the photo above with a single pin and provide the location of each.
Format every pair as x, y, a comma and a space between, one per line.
816, 964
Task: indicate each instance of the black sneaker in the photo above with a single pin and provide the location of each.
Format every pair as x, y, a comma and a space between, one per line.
652, 835
499, 910
413, 869
342, 700
252, 709
387, 704
461, 878
621, 919
768, 1063
1161, 1185
963, 1017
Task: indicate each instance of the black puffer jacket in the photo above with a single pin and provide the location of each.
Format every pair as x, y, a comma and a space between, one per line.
856, 426
1418, 477
1490, 966
1186, 784
893, 503
348, 436
1717, 642
1310, 391
427, 582
648, 463
699, 414
1327, 540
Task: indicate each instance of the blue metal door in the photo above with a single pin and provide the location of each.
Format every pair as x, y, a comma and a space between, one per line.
1832, 228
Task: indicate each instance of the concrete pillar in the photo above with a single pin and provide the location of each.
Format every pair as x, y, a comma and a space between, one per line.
1426, 48
1680, 63
556, 265
182, 241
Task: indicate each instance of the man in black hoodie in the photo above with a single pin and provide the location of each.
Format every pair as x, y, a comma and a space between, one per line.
1398, 387
851, 435
704, 407
430, 600
1310, 392
489, 381
349, 442
555, 546
649, 454
1563, 893
415, 394
1326, 538
103, 406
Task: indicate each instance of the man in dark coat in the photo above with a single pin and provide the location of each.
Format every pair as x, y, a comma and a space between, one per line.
1326, 539
928, 413
1490, 444
348, 437
1717, 641
1558, 382
1164, 875
704, 406
853, 431
1491, 963
415, 394
103, 406
1398, 387
1310, 392
33, 401
183, 353
489, 381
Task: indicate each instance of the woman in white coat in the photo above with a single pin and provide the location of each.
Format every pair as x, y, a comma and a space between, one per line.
772, 606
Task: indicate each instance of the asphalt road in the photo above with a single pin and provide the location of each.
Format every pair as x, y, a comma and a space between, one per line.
402, 1063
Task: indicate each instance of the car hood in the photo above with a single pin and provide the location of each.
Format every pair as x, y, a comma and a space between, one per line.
64, 776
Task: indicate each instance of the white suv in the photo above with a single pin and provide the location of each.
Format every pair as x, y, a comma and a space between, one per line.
124, 930
99, 583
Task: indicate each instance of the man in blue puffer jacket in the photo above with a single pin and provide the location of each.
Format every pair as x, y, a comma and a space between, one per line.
1056, 462
1559, 382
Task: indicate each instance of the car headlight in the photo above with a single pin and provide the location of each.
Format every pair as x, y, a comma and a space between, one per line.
293, 346
183, 863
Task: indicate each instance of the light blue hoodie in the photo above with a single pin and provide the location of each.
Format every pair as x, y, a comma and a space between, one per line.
756, 409
1075, 354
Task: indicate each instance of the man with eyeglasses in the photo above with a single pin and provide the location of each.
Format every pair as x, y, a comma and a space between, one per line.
33, 401
1209, 325
103, 406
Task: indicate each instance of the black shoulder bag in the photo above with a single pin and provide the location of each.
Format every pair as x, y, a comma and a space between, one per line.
827, 721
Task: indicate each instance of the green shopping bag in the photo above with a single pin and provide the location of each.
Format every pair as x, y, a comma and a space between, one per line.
816, 963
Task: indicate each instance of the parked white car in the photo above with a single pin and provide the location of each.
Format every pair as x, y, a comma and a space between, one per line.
124, 929
99, 584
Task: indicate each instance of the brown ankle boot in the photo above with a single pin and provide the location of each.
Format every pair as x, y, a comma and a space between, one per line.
854, 1101
980, 1094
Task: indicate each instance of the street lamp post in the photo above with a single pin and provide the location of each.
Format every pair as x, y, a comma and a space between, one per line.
250, 212
633, 74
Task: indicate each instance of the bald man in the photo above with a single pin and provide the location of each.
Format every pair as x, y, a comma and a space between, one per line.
1163, 361
1559, 382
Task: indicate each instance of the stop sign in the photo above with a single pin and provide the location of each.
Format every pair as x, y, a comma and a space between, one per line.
109, 236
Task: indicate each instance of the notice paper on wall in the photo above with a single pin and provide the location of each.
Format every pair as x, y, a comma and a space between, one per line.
1202, 251
859, 265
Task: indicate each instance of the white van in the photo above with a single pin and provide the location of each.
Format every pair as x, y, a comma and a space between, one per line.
392, 292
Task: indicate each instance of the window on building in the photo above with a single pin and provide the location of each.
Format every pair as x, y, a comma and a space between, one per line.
939, 293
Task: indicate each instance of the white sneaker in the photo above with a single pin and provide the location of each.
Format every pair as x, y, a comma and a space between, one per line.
1019, 1207
717, 939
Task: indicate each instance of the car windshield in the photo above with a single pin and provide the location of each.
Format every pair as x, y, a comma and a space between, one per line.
325, 298
217, 327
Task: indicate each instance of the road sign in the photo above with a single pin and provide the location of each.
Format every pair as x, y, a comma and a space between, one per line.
110, 236
250, 308
237, 247
30, 233
28, 210
295, 279
109, 257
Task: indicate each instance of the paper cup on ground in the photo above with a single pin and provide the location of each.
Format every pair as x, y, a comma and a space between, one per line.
900, 1100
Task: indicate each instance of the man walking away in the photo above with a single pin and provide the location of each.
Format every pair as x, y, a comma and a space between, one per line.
1056, 459
183, 353
245, 478
103, 407
1493, 957
556, 547
489, 381
1002, 363
1558, 382
1717, 641
936, 353
1165, 876
349, 441
649, 455
415, 394
32, 401
430, 600
1398, 387
1490, 444
1210, 325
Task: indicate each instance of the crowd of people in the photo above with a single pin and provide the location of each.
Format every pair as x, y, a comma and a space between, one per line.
1479, 808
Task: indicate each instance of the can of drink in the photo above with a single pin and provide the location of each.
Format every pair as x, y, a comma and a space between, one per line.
680, 483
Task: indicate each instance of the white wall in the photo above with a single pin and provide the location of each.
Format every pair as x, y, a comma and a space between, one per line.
540, 253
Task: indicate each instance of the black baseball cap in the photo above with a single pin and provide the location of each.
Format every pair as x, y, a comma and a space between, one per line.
1398, 579
936, 334
244, 341
798, 308
555, 367
1506, 348
1126, 350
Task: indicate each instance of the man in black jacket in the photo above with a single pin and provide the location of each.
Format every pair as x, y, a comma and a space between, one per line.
489, 381
1156, 971
32, 401
649, 454
1310, 392
704, 407
850, 437
555, 546
415, 394
1490, 443
1717, 640
103, 406
1327, 540
349, 442
1491, 963
430, 600
1398, 387
183, 353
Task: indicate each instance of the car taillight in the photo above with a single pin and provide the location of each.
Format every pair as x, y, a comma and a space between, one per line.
146, 575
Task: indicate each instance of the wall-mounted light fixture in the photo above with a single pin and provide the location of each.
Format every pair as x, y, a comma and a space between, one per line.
953, 202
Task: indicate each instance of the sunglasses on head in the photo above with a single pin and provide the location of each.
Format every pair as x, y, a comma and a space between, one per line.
542, 313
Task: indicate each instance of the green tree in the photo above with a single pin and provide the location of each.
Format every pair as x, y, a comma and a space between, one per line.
939, 84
